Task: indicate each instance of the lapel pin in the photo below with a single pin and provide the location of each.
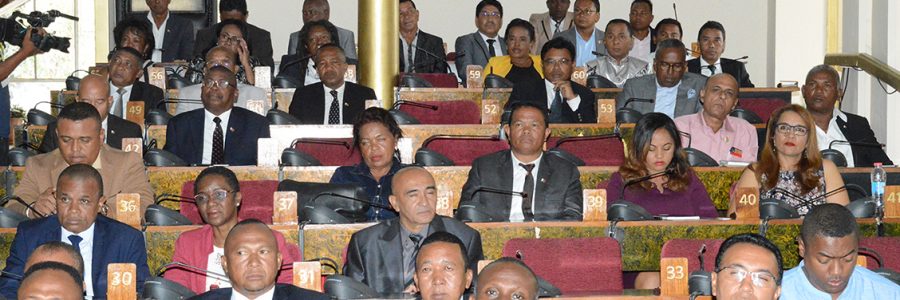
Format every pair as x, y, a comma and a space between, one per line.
347, 104
692, 93
231, 129
112, 131
543, 180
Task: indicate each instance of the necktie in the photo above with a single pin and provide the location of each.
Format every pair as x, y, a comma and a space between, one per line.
410, 64
556, 27
411, 265
491, 47
556, 115
76, 242
218, 147
528, 189
119, 110
334, 112
712, 69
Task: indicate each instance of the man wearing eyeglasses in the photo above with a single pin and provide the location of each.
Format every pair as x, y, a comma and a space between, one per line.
748, 266
125, 68
671, 89
587, 39
478, 47
219, 56
219, 133
218, 196
829, 245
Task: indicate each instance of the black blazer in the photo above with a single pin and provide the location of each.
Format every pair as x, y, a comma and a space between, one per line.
179, 39
424, 62
557, 187
857, 129
297, 69
150, 94
116, 130
282, 291
374, 255
535, 91
730, 66
184, 136
258, 40
114, 242
308, 103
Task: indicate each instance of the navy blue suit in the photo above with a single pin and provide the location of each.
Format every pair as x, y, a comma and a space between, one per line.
114, 242
184, 136
282, 291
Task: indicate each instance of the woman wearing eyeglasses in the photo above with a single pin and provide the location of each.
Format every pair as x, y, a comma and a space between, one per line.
218, 197
790, 167
232, 34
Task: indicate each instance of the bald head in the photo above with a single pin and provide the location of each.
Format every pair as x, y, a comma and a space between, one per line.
222, 56
94, 90
507, 277
409, 172
720, 96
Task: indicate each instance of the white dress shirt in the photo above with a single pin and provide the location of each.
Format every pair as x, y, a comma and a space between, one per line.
519, 173
113, 91
666, 98
497, 48
87, 254
329, 99
704, 67
105, 129
551, 94
834, 134
641, 49
159, 34
311, 75
208, 128
267, 296
214, 264
410, 61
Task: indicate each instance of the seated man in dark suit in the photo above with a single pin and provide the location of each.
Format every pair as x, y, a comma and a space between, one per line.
420, 57
252, 262
383, 255
199, 137
125, 68
671, 90
80, 139
173, 35
712, 44
332, 100
51, 280
100, 240
550, 186
821, 91
94, 90
320, 10
257, 38
478, 47
568, 102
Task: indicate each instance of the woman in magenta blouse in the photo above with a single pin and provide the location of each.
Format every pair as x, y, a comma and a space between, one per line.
656, 148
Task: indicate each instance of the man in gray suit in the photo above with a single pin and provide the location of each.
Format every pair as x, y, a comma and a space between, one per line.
219, 56
585, 35
674, 91
316, 10
557, 19
478, 47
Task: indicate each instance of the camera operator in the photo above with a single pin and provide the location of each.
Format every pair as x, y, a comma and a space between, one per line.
7, 66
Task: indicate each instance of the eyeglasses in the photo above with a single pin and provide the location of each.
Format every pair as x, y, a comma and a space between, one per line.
210, 64
490, 14
221, 83
116, 61
554, 62
219, 195
785, 129
667, 67
232, 39
760, 279
586, 12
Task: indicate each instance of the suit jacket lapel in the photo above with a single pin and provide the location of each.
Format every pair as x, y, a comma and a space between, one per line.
233, 133
506, 181
137, 92
541, 182
196, 129
481, 44
347, 113
547, 26
391, 247
317, 106
99, 252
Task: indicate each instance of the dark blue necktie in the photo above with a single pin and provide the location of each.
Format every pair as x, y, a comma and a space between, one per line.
76, 242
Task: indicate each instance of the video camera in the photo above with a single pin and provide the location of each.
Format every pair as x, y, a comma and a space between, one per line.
14, 33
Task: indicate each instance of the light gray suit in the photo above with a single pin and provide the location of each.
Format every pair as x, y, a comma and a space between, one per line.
571, 35
476, 52
543, 28
687, 102
345, 37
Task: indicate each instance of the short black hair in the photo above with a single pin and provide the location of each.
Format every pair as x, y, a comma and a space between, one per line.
55, 266
670, 21
136, 26
81, 171
59, 246
623, 22
753, 239
332, 45
410, 2
670, 43
226, 173
238, 5
523, 104
595, 2
375, 115
509, 260
558, 43
643, 1
484, 3
522, 24
711, 25
78, 111
828, 220
304, 34
130, 51
445, 237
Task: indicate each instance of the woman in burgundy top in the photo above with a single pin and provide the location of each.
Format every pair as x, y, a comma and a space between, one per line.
656, 148
218, 197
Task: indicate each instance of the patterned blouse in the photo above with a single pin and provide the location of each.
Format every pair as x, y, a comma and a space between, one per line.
787, 182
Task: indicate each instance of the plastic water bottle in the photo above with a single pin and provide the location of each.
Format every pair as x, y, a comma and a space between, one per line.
879, 177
